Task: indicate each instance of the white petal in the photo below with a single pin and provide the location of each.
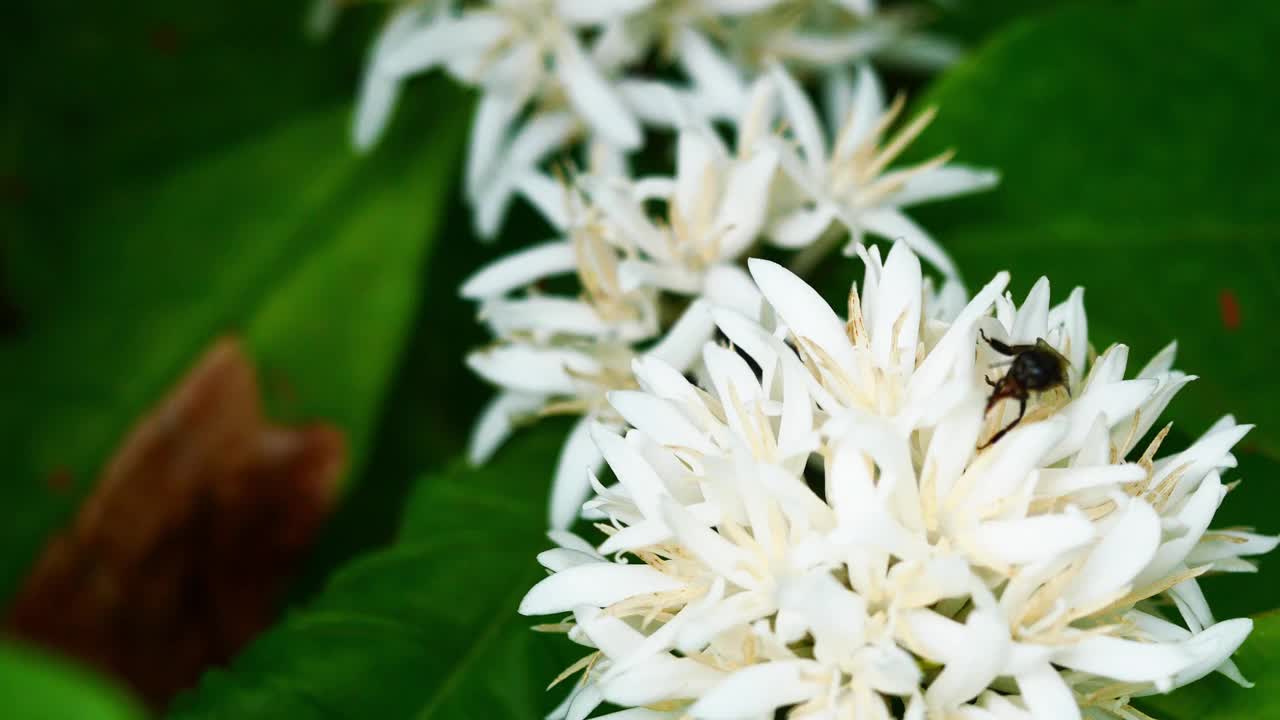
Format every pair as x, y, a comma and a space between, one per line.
803, 120
1032, 539
944, 182
660, 679
1221, 544
1195, 517
891, 223
682, 344
496, 422
800, 228
805, 311
729, 286
591, 95
598, 585
493, 119
521, 268
746, 203
635, 474
974, 664
376, 100
1047, 695
759, 689
549, 196
1212, 647
545, 316
474, 33
864, 113
531, 370
1033, 315
715, 77
1125, 549
594, 12
1124, 660
571, 485
660, 420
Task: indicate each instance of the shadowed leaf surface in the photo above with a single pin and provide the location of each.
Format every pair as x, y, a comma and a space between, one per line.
311, 253
426, 628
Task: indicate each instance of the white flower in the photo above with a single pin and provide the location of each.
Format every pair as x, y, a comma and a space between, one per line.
819, 527
846, 177
564, 354
553, 72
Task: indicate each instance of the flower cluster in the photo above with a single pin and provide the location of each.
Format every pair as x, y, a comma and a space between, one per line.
553, 72
650, 255
825, 522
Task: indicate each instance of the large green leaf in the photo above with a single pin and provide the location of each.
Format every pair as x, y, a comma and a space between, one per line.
1135, 144
99, 91
36, 686
427, 628
1217, 698
312, 253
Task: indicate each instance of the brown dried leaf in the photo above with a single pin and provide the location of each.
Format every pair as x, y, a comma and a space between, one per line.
179, 556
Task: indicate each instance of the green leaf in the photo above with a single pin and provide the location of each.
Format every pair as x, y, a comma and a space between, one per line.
36, 686
425, 629
312, 253
1217, 698
1134, 141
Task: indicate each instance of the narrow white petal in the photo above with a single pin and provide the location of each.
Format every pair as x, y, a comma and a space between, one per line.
1212, 647
759, 689
803, 119
377, 98
594, 12
571, 485
531, 370
1195, 517
865, 112
598, 585
520, 268
1047, 695
1126, 548
1125, 660
635, 474
729, 286
496, 422
591, 95
746, 203
800, 228
660, 679
804, 311
549, 196
1033, 315
682, 344
944, 182
716, 78
475, 33
660, 420
893, 224
1032, 539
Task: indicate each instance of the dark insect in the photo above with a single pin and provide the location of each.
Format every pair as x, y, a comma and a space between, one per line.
1034, 368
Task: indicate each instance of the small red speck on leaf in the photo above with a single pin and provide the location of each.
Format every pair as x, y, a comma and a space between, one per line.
13, 191
165, 39
59, 480
1230, 307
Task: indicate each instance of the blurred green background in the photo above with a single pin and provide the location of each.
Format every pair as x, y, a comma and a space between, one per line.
173, 173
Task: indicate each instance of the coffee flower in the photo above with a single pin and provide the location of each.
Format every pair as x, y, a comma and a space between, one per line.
563, 354
554, 72
818, 527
